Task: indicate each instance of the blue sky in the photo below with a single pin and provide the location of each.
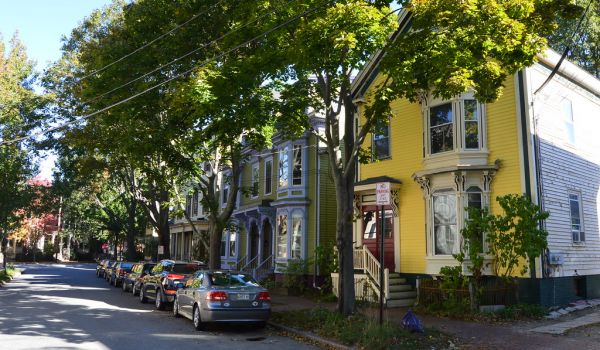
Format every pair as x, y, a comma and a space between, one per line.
41, 24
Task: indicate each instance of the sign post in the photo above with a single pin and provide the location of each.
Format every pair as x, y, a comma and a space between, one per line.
383, 198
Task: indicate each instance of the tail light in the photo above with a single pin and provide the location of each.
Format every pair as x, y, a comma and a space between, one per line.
121, 272
213, 296
173, 276
264, 296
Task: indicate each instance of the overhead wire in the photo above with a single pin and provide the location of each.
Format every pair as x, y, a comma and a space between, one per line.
179, 75
567, 48
160, 37
184, 56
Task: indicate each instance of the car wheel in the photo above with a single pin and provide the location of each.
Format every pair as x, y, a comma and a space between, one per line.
143, 298
176, 308
197, 319
124, 287
134, 290
158, 301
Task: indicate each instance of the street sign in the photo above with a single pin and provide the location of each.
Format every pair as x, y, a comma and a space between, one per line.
161, 249
383, 193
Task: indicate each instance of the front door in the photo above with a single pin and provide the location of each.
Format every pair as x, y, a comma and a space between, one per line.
371, 216
267, 239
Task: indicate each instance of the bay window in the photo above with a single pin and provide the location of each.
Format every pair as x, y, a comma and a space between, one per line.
281, 241
283, 167
297, 171
444, 223
296, 248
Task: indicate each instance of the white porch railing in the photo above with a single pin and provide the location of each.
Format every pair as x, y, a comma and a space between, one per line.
241, 262
365, 261
264, 267
250, 265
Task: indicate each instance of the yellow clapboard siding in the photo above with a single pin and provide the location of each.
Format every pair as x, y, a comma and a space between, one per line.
406, 147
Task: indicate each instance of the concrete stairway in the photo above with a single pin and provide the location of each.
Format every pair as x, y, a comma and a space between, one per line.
401, 293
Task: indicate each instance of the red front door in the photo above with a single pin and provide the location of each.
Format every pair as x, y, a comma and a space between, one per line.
371, 216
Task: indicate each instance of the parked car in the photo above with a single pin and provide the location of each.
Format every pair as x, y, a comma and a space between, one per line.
119, 271
132, 280
108, 270
222, 296
161, 283
100, 267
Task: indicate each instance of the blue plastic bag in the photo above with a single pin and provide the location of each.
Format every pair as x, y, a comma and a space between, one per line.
412, 323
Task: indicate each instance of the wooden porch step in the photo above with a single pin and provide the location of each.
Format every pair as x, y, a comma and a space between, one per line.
395, 280
400, 287
400, 303
411, 294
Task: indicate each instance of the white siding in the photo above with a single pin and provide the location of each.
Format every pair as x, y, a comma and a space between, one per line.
568, 167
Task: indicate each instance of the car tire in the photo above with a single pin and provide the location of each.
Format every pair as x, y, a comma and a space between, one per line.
124, 287
134, 290
176, 308
158, 303
197, 319
143, 298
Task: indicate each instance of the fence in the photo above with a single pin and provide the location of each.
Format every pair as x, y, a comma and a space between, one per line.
491, 292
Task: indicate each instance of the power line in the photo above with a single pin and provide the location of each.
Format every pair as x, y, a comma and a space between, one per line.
184, 56
179, 75
149, 43
567, 49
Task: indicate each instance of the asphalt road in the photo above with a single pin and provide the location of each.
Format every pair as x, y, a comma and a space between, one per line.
55, 306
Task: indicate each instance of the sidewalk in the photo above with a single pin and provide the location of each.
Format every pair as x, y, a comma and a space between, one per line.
478, 335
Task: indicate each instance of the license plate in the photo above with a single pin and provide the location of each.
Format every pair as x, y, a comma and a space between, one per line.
243, 297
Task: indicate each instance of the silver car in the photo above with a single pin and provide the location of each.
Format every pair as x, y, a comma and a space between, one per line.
222, 296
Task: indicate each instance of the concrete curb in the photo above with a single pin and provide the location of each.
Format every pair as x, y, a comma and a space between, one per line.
310, 336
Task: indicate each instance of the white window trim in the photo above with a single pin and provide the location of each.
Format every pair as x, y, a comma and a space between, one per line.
255, 166
458, 125
581, 231
270, 188
374, 155
290, 168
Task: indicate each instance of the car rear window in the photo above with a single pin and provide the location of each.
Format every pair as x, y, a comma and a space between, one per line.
232, 279
126, 265
185, 268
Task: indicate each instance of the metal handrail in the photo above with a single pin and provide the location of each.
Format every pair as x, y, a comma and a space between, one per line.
238, 263
249, 264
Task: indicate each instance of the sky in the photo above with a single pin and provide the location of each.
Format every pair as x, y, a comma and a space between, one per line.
41, 24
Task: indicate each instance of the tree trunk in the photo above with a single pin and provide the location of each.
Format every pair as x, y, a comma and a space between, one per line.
131, 251
4, 243
164, 236
215, 231
345, 199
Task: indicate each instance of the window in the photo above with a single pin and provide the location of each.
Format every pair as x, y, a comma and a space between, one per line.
370, 225
441, 128
255, 178
455, 125
576, 220
471, 124
296, 236
381, 140
567, 116
297, 172
229, 242
444, 223
283, 167
225, 191
195, 203
188, 204
268, 176
474, 200
224, 242
232, 242
281, 243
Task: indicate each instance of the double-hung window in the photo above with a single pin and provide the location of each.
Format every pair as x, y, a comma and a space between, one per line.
576, 220
455, 125
381, 140
297, 171
445, 232
268, 176
195, 203
282, 233
284, 167
255, 179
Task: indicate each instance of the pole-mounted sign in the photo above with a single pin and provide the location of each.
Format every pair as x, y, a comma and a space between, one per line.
383, 193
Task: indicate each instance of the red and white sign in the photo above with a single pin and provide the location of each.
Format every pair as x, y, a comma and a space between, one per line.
383, 193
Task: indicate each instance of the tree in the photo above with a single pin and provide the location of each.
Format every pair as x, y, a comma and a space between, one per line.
20, 108
451, 47
584, 49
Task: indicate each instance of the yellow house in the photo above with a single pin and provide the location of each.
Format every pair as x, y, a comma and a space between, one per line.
441, 156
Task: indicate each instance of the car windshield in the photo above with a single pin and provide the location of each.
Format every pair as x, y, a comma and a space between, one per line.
232, 279
185, 268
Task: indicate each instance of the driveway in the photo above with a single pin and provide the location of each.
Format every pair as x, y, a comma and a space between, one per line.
64, 306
